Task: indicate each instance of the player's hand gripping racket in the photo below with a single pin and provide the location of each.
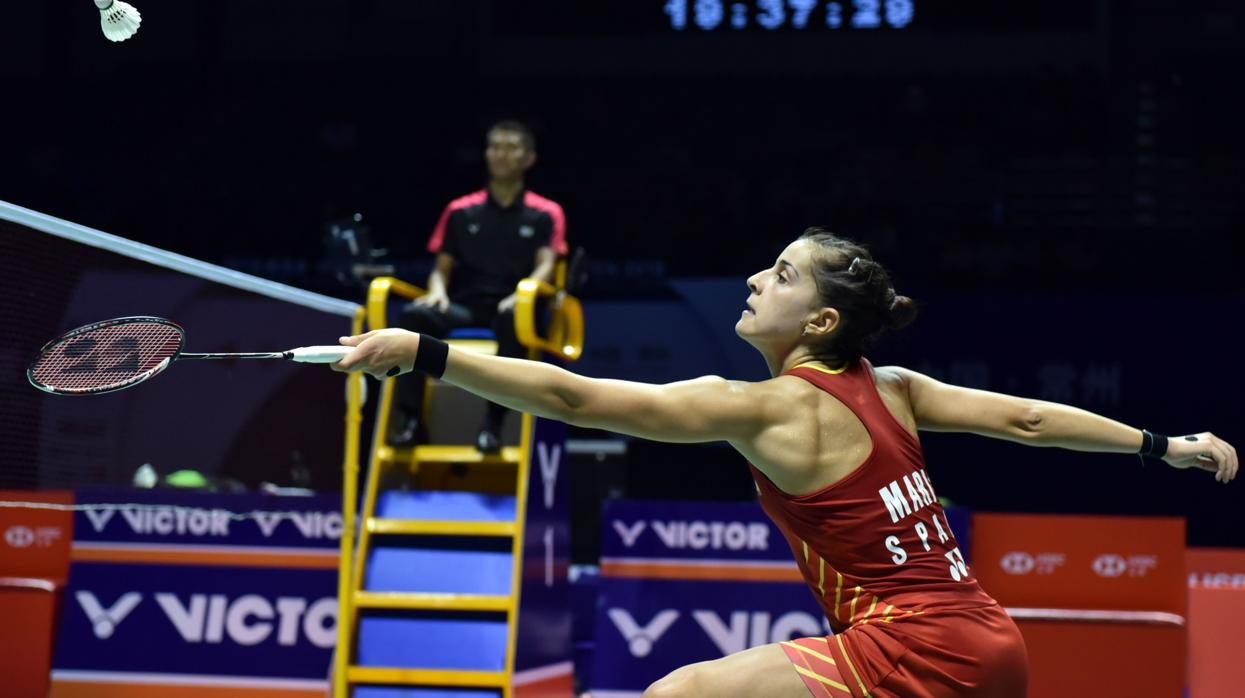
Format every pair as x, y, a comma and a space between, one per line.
116, 354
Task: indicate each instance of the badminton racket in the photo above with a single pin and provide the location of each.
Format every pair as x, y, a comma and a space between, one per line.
113, 355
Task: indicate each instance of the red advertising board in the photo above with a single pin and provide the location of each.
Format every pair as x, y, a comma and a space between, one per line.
1094, 596
1216, 616
34, 561
1081, 562
1216, 568
35, 542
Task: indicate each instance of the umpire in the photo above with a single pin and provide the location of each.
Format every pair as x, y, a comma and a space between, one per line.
485, 242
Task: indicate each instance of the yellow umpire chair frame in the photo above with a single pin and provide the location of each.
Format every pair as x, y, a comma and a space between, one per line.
562, 338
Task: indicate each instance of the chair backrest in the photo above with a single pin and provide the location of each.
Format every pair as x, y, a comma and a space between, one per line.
561, 332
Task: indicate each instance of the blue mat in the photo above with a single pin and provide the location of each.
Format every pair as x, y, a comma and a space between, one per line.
424, 640
431, 564
471, 333
466, 565
433, 505
407, 692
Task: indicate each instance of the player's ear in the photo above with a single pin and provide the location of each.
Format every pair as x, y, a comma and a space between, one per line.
529, 159
824, 322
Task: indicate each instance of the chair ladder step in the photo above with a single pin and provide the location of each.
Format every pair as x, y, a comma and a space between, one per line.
447, 454
426, 677
417, 527
431, 601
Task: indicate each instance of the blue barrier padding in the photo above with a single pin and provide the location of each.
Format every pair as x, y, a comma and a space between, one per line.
585, 586
466, 566
409, 692
471, 333
470, 641
432, 505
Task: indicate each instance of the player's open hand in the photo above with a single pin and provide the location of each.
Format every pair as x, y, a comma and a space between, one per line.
380, 353
1205, 451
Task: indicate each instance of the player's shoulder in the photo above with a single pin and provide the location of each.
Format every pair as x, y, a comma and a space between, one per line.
893, 375
780, 387
897, 381
785, 399
783, 391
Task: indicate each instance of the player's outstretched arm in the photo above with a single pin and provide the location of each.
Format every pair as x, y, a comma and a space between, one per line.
704, 409
940, 406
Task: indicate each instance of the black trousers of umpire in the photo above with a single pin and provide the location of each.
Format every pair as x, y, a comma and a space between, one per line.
409, 389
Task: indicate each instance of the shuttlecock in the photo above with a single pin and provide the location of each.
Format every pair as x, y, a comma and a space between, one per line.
120, 20
146, 476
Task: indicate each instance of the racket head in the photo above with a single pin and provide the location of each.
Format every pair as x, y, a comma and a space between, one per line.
107, 356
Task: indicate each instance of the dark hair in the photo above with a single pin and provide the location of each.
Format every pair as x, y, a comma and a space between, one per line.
848, 279
526, 137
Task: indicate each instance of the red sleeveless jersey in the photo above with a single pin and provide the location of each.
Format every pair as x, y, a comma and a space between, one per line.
909, 619
874, 546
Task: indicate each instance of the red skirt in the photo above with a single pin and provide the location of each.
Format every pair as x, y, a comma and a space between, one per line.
971, 653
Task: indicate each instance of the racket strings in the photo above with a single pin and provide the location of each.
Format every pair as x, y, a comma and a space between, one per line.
106, 356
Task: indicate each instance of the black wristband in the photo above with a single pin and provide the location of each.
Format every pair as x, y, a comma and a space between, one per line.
431, 355
1152, 445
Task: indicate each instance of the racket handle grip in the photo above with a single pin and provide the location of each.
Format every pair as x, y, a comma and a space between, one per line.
318, 355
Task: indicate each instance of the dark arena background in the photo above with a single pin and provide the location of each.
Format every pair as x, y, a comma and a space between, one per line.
1057, 184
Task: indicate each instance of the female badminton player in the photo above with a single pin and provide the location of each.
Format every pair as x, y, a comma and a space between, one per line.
832, 443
